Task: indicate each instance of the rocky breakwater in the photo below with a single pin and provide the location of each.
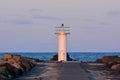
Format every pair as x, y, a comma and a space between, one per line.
12, 66
105, 68
111, 68
112, 62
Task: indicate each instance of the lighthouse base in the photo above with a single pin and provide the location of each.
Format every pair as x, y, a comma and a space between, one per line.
55, 58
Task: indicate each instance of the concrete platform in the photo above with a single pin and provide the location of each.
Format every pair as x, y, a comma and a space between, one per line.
72, 71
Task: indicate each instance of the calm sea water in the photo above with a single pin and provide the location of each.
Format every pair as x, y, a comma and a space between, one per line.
81, 56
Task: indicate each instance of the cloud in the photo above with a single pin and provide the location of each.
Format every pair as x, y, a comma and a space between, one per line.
89, 19
114, 13
105, 24
47, 18
20, 19
2, 31
36, 10
14, 21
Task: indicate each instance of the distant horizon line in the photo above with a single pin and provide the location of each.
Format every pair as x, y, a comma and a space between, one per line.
57, 52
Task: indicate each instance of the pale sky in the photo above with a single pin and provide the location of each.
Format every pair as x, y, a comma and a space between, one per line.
29, 25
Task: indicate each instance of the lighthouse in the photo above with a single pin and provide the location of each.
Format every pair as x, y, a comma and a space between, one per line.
62, 33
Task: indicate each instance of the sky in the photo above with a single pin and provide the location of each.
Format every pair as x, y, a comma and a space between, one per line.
29, 25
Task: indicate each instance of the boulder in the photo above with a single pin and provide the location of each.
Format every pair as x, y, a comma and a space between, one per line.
13, 66
4, 72
11, 70
31, 59
11, 61
31, 64
69, 58
106, 59
116, 67
17, 57
7, 56
98, 61
3, 77
15, 72
2, 61
26, 65
23, 67
54, 58
16, 65
110, 63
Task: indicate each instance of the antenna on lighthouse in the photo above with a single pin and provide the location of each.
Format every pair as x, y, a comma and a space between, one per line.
62, 33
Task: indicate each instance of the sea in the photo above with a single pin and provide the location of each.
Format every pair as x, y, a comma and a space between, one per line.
80, 56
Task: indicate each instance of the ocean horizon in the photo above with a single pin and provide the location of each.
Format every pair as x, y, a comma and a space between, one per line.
80, 56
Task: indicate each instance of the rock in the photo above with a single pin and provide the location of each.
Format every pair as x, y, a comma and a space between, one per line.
2, 69
106, 59
55, 58
31, 59
17, 57
9, 68
31, 64
2, 61
4, 72
110, 63
7, 56
98, 61
3, 77
116, 67
26, 65
13, 66
23, 67
16, 65
15, 72
11, 61
68, 58
37, 60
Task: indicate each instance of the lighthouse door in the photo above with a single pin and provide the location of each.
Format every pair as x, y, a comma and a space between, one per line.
62, 55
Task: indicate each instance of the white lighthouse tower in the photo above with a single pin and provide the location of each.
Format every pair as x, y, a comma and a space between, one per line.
62, 33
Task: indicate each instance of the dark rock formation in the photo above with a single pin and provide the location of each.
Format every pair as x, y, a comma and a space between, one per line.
55, 58
111, 62
116, 67
13, 66
7, 56
106, 59
69, 58
98, 61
